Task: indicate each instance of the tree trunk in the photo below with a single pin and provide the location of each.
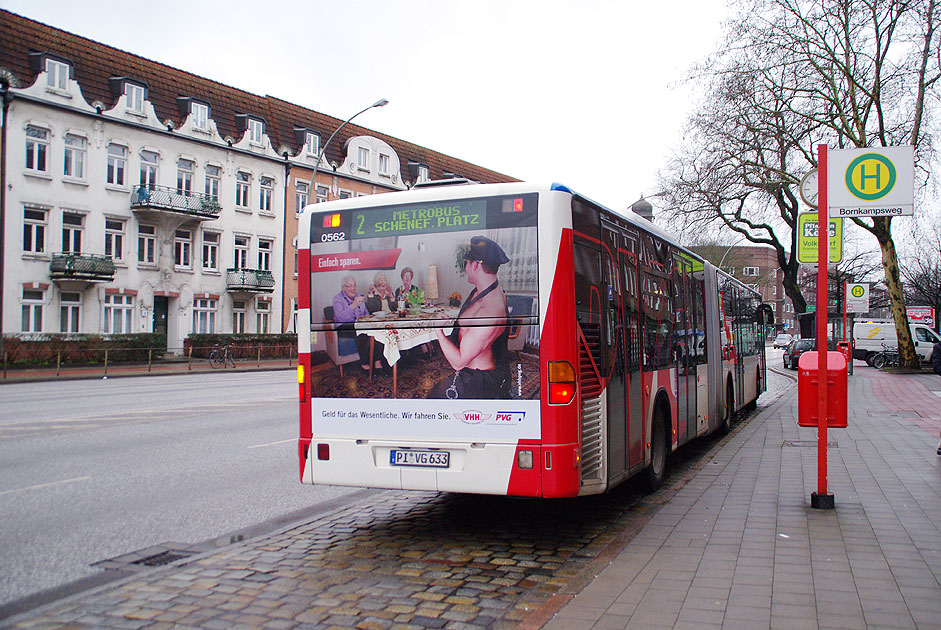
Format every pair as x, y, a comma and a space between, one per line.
882, 231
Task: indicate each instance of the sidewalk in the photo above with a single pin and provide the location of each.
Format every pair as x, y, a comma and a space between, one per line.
740, 547
175, 365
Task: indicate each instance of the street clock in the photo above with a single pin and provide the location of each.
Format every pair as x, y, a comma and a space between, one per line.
809, 188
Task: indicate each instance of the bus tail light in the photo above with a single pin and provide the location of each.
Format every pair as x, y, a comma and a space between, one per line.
524, 459
301, 381
561, 382
323, 452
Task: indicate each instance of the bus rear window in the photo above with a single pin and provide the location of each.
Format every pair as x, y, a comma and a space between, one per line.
405, 263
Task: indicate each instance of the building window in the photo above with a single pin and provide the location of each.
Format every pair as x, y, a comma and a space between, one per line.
148, 168
774, 290
750, 271
72, 225
238, 316
321, 194
114, 239
256, 130
383, 164
34, 231
183, 249
312, 143
213, 181
241, 252
204, 316
263, 313
424, 174
184, 176
75, 149
117, 164
264, 255
754, 287
146, 244
37, 145
301, 190
31, 320
200, 113
243, 182
266, 192
57, 75
118, 312
70, 307
362, 159
211, 251
345, 194
134, 98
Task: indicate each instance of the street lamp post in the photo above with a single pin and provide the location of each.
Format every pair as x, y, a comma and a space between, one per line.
313, 184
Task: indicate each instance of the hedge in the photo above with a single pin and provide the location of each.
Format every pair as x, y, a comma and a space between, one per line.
244, 346
47, 349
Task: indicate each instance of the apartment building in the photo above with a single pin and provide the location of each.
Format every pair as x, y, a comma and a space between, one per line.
137, 197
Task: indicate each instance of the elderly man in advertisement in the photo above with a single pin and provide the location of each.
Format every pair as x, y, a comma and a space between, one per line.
478, 352
348, 306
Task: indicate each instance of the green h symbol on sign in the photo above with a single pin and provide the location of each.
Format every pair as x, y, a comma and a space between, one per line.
868, 168
863, 176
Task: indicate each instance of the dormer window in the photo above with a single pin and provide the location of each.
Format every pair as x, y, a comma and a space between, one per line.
424, 174
256, 130
200, 113
363, 159
312, 142
57, 75
383, 164
134, 97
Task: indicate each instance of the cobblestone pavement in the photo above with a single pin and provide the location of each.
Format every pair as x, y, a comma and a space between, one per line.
398, 560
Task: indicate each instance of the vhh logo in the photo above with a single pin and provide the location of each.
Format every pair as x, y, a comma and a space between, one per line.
870, 176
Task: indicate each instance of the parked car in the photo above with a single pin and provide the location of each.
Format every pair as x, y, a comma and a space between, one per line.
794, 350
781, 341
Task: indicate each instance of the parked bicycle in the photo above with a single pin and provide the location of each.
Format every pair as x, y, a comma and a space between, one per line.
221, 356
886, 358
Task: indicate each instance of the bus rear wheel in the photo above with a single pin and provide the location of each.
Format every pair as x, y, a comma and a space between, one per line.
657, 471
729, 408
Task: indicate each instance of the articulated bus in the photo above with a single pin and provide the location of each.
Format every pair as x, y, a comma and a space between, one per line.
510, 339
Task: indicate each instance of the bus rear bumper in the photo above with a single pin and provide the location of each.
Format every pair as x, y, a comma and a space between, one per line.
472, 467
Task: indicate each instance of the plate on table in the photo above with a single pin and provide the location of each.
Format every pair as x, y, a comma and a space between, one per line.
381, 314
429, 309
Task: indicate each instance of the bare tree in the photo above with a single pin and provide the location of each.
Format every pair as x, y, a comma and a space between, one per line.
922, 270
792, 74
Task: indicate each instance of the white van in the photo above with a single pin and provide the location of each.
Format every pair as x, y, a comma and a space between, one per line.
869, 337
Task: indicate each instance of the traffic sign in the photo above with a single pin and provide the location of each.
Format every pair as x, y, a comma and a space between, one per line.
857, 297
807, 251
871, 182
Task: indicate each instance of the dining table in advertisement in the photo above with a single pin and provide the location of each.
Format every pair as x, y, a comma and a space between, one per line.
399, 333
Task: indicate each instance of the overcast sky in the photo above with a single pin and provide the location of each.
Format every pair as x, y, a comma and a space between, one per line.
585, 93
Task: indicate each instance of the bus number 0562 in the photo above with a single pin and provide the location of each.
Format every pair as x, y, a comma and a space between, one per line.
336, 236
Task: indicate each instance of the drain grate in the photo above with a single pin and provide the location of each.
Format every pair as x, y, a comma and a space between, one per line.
807, 443
161, 559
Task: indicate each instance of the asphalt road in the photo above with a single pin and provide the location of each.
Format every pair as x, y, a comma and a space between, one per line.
94, 469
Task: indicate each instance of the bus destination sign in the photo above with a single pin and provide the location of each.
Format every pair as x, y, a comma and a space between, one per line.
451, 216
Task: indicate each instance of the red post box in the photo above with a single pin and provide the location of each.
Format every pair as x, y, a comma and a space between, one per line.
808, 376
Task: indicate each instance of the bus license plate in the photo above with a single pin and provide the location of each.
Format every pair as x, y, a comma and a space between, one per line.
433, 459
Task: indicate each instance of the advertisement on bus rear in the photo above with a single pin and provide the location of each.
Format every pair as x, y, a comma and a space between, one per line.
418, 304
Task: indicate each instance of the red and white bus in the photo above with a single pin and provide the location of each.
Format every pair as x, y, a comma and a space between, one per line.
510, 339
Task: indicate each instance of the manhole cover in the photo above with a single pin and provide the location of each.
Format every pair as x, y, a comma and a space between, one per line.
161, 558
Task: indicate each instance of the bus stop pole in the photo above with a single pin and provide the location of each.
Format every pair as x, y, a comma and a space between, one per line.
822, 499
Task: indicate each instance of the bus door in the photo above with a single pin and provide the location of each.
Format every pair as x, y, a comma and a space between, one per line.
633, 345
683, 341
614, 350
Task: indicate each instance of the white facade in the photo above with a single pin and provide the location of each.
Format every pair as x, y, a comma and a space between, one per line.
72, 170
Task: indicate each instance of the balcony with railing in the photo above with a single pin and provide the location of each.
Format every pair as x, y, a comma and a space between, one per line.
82, 267
249, 281
168, 199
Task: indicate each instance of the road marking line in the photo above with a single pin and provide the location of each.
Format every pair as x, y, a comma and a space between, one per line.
45, 485
273, 443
